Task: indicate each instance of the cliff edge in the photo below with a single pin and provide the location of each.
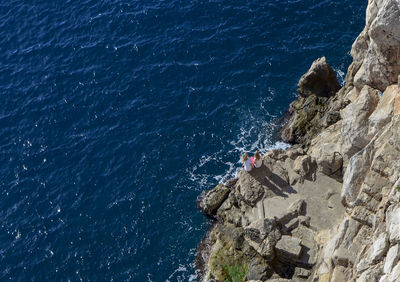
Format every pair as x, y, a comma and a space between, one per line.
328, 208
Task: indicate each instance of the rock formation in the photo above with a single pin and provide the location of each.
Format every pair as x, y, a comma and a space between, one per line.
328, 208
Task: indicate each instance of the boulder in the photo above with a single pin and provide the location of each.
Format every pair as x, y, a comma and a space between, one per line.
230, 212
250, 189
316, 108
319, 80
353, 177
302, 272
288, 249
209, 202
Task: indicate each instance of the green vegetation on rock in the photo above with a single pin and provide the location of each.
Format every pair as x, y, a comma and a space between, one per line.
235, 273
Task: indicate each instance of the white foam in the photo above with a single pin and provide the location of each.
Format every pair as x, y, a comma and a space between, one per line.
340, 75
244, 141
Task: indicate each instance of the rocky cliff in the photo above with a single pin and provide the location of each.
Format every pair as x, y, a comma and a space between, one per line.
328, 208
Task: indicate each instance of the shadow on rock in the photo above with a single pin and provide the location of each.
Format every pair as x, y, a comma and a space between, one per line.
272, 181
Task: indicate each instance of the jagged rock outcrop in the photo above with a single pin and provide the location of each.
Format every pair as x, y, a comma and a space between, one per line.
320, 80
314, 103
328, 209
209, 202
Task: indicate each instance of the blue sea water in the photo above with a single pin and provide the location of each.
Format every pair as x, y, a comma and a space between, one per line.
116, 114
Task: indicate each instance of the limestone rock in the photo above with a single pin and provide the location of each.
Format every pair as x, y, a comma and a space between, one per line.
393, 223
229, 211
379, 248
319, 80
391, 259
250, 189
376, 50
353, 177
370, 275
317, 107
209, 202
259, 270
308, 256
304, 119
263, 235
325, 149
301, 272
354, 132
384, 110
303, 165
341, 257
395, 274
288, 249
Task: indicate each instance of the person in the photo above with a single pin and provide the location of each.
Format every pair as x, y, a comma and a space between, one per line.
256, 160
246, 162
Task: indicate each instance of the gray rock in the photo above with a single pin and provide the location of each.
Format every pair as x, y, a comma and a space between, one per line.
354, 132
374, 51
319, 80
259, 270
288, 249
379, 248
250, 189
302, 272
341, 257
303, 165
384, 110
209, 202
309, 252
262, 235
393, 223
391, 259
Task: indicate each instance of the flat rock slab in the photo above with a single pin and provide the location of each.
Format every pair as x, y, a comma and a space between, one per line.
319, 194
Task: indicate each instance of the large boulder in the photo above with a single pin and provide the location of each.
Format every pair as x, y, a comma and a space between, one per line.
288, 249
319, 80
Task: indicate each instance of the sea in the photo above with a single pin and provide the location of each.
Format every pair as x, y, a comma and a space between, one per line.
116, 114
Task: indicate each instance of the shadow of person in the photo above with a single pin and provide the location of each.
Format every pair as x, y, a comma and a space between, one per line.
272, 181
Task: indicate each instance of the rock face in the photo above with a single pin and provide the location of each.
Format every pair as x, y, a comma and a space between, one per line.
329, 208
376, 50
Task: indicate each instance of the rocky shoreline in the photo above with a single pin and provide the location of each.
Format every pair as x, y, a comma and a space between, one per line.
326, 209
